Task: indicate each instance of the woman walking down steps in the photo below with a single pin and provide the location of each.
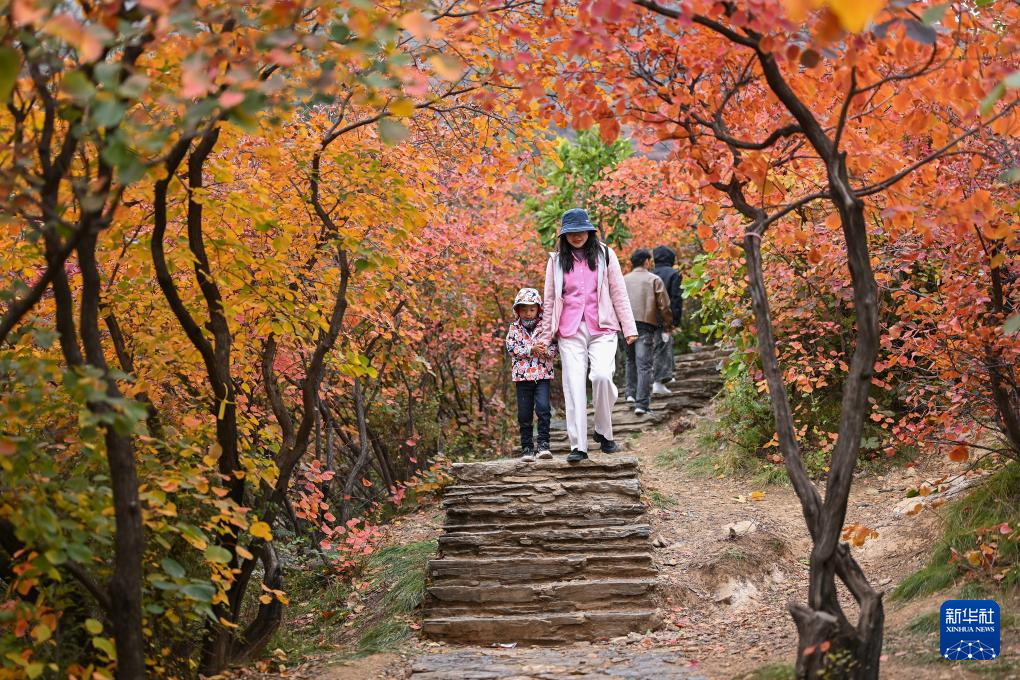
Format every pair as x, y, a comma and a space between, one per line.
587, 304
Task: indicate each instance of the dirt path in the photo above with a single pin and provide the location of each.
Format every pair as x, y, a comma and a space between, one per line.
725, 593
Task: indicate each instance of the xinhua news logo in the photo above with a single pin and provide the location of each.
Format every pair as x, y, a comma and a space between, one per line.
969, 630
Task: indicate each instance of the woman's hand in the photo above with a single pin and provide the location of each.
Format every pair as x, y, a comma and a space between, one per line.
631, 339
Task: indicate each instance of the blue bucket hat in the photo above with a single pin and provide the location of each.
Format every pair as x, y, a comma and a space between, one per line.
575, 220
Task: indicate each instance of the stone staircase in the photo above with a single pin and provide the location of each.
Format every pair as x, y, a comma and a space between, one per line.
696, 380
542, 553
545, 553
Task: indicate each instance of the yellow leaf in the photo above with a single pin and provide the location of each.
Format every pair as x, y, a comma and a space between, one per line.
261, 530
41, 633
855, 14
402, 108
447, 67
757, 495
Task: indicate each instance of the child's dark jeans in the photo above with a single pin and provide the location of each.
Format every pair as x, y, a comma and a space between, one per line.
533, 398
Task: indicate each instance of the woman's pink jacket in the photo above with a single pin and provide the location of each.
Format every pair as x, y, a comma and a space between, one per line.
614, 304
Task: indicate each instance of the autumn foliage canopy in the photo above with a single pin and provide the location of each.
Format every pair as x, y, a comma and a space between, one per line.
258, 259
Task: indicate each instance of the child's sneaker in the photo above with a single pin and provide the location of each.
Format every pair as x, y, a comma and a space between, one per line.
527, 454
543, 451
631, 400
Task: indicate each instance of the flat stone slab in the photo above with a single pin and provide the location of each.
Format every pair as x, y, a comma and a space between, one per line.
554, 664
515, 470
550, 628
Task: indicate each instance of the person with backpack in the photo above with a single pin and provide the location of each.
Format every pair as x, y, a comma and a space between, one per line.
662, 365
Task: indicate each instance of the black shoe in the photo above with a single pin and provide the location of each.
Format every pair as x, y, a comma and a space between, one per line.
609, 446
542, 451
577, 456
527, 454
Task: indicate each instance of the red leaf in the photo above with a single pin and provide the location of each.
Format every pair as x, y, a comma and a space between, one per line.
958, 453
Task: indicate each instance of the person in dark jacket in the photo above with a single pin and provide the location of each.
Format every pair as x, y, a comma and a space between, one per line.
664, 258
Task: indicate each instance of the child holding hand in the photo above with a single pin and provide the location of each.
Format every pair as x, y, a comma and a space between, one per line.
531, 370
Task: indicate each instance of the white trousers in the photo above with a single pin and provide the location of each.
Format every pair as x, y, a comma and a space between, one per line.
577, 354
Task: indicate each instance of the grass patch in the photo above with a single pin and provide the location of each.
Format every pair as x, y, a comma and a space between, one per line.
924, 624
399, 573
660, 500
995, 501
773, 671
317, 608
319, 617
725, 460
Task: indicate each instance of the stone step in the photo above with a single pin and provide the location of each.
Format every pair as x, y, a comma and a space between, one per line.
706, 360
526, 540
540, 492
582, 662
541, 629
589, 505
517, 471
509, 570
530, 598
544, 523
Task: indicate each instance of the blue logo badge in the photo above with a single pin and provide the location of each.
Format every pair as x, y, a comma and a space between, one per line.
969, 630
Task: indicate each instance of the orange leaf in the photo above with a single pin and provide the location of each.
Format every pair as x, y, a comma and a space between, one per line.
958, 453
417, 25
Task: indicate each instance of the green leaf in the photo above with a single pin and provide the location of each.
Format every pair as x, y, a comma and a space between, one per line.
1012, 81
133, 87
108, 111
192, 533
93, 627
934, 14
78, 552
995, 95
215, 553
172, 568
1011, 176
392, 132
105, 645
10, 64
1012, 325
919, 32
78, 85
203, 592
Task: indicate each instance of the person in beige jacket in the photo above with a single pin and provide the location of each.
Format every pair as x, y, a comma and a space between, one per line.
650, 304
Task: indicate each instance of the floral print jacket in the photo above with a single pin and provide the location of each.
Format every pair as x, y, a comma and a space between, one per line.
524, 366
